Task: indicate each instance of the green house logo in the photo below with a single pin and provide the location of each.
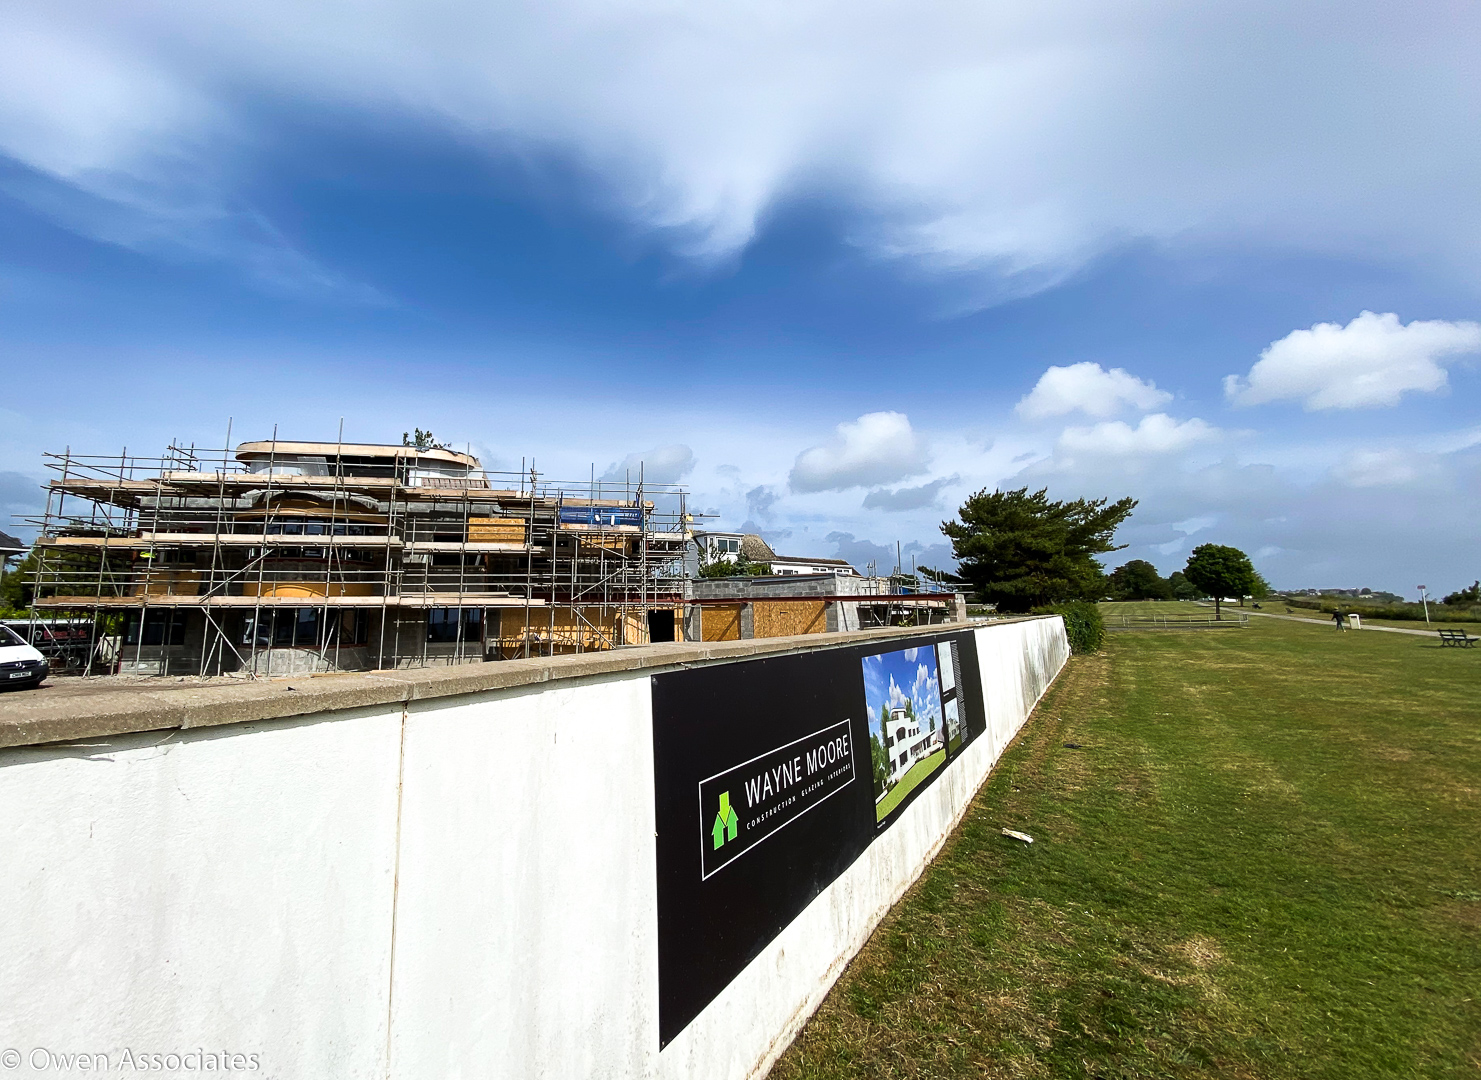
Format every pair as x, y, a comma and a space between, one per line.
726, 821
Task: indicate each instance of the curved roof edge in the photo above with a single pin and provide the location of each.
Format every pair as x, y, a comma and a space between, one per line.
329, 449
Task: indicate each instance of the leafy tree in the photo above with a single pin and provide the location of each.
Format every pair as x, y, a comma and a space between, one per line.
16, 589
711, 567
1139, 580
879, 762
422, 440
1464, 597
1182, 588
1220, 571
1020, 551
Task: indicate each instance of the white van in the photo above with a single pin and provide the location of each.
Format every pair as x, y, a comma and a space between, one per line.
21, 666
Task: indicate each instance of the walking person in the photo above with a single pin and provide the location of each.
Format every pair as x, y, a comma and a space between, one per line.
1341, 621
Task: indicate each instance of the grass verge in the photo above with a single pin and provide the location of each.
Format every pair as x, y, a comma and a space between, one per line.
1262, 860
908, 783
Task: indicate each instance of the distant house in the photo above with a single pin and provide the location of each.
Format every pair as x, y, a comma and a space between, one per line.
797, 564
905, 743
732, 547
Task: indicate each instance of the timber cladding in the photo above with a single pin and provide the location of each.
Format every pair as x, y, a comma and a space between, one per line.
790, 617
721, 622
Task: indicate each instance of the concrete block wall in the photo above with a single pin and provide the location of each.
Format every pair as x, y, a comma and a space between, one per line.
438, 875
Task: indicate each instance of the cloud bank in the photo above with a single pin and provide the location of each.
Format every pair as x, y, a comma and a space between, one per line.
1156, 434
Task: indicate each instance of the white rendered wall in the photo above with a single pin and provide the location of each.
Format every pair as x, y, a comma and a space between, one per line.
525, 938
465, 888
226, 890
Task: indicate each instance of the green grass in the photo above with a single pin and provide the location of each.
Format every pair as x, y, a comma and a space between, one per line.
908, 783
1264, 860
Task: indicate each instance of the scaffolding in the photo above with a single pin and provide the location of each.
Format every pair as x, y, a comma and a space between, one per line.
281, 557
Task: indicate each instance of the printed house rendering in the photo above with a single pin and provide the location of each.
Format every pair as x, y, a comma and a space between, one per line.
907, 729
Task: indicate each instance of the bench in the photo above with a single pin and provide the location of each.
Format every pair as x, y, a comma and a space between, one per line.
1459, 638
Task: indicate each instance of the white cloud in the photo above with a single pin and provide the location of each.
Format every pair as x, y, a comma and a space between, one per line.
1371, 361
877, 448
1156, 434
1090, 389
897, 697
1011, 141
661, 465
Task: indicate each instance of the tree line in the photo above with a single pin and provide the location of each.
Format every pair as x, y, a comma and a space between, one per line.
1021, 550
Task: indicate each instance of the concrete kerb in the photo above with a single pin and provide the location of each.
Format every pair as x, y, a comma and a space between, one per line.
37, 721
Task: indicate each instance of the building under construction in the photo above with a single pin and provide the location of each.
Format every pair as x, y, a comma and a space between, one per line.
286, 557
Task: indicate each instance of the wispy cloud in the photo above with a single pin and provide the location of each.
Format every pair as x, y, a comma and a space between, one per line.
1012, 144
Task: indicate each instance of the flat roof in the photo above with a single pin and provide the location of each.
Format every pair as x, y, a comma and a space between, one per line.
328, 449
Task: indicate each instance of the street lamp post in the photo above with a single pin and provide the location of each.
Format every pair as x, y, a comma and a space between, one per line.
1425, 601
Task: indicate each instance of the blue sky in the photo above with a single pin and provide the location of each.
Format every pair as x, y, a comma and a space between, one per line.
898, 677
832, 266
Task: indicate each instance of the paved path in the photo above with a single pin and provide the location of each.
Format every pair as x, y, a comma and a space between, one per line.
1328, 623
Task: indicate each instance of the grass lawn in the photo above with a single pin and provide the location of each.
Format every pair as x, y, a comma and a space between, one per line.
1472, 628
1264, 860
1275, 607
908, 783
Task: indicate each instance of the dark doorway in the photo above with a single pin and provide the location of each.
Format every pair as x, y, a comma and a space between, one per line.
661, 626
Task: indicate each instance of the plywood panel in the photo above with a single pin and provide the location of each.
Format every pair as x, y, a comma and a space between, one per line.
790, 617
721, 622
492, 530
559, 630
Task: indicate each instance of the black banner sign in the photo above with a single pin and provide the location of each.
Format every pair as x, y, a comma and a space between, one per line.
771, 790
772, 776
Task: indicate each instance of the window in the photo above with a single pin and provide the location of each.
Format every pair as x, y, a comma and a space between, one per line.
160, 628
354, 627
443, 624
284, 628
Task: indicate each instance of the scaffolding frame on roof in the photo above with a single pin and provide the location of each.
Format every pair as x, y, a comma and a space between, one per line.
241, 535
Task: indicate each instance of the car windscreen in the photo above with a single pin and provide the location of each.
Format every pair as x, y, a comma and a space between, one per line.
9, 637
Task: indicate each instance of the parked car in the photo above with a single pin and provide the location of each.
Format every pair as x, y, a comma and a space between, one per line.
22, 667
63, 641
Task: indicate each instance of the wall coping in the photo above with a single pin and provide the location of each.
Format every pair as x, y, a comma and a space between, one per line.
27, 720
